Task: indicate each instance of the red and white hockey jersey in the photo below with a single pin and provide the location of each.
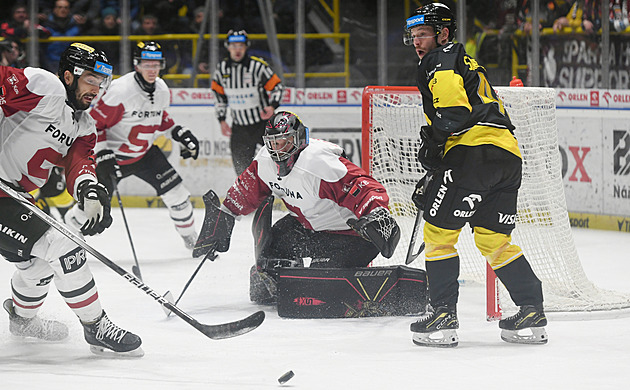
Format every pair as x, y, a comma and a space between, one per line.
128, 119
323, 190
38, 131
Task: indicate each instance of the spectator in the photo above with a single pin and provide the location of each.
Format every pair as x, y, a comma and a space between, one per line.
168, 13
149, 25
549, 12
108, 25
18, 26
10, 53
85, 13
60, 23
592, 16
134, 10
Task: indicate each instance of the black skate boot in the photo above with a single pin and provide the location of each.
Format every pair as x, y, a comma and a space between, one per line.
48, 330
437, 329
530, 319
103, 335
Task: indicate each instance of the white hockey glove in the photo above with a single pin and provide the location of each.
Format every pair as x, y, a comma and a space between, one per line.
190, 144
379, 228
95, 204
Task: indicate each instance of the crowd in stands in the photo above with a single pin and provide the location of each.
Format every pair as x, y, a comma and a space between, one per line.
498, 19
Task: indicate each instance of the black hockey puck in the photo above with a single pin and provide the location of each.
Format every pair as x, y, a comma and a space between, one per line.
286, 377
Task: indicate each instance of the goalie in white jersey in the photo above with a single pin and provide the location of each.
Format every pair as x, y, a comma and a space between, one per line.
43, 124
338, 214
129, 118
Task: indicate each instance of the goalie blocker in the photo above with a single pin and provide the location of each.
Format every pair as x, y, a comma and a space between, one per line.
351, 293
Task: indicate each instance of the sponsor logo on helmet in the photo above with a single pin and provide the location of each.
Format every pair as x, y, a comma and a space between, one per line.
237, 38
151, 55
83, 46
415, 20
103, 68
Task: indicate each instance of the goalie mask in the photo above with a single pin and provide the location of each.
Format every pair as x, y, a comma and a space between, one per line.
285, 137
436, 15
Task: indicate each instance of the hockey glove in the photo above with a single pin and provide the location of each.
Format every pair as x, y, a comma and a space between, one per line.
418, 196
107, 168
379, 228
216, 230
431, 147
190, 144
95, 204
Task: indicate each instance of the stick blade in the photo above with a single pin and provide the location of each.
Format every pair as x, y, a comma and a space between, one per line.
169, 297
233, 329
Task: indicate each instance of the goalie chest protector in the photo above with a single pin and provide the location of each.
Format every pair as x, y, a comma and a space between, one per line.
351, 292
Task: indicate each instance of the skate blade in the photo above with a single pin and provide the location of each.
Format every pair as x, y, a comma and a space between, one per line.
530, 336
102, 351
440, 339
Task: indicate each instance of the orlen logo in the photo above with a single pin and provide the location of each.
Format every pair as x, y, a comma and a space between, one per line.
299, 96
608, 97
286, 96
356, 95
561, 95
595, 98
182, 94
342, 96
306, 301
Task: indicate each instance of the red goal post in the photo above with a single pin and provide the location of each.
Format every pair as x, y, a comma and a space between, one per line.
391, 120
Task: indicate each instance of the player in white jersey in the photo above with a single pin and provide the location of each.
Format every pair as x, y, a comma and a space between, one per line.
338, 214
130, 116
43, 124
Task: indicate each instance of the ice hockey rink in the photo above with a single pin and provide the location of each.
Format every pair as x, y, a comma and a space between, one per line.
368, 353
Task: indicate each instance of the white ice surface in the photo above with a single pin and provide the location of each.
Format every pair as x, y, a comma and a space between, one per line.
373, 353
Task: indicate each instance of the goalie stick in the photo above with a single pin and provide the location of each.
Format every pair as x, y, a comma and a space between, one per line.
168, 295
216, 332
135, 268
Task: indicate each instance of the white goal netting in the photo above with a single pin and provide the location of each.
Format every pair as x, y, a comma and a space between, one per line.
392, 117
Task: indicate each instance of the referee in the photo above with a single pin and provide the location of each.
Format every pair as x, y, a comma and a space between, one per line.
252, 91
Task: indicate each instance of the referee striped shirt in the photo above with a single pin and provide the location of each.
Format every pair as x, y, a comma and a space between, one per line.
246, 87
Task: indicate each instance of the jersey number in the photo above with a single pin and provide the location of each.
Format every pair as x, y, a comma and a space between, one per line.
486, 93
134, 139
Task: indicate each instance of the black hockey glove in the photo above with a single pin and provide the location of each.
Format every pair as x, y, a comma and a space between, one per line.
418, 196
107, 168
95, 203
190, 144
431, 147
216, 230
379, 228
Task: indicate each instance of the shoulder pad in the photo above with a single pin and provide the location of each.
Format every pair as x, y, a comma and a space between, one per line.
259, 60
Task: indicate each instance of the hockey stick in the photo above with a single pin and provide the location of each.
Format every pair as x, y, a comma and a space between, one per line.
136, 268
210, 256
217, 332
414, 236
416, 226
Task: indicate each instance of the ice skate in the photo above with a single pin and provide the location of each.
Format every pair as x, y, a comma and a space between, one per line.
48, 330
190, 241
437, 329
525, 327
105, 338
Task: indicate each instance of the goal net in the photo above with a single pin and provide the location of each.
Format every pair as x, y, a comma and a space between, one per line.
391, 120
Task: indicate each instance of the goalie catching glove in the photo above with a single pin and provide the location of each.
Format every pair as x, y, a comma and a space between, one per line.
379, 228
216, 230
190, 144
431, 147
95, 204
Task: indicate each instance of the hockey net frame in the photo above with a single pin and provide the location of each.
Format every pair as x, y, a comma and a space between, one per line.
391, 120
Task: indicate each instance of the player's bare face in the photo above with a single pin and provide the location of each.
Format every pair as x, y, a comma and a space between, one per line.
237, 51
87, 88
149, 69
423, 40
